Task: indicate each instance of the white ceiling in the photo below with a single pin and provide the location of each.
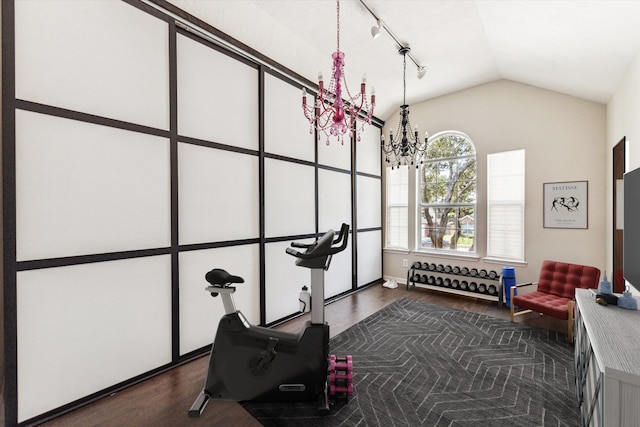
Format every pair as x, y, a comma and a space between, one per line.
577, 47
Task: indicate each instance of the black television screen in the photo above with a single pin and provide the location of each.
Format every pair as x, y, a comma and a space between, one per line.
631, 257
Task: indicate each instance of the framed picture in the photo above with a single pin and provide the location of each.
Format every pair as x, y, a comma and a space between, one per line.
566, 204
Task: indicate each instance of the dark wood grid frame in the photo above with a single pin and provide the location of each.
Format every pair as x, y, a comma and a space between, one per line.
8, 303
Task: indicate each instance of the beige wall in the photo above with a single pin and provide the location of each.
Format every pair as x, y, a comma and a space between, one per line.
623, 112
564, 139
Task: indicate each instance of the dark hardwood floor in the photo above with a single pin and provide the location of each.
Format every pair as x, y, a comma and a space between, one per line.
165, 399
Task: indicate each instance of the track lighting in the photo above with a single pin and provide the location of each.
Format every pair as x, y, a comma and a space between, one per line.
375, 30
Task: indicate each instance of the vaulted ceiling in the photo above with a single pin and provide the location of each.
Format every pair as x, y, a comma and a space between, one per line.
580, 48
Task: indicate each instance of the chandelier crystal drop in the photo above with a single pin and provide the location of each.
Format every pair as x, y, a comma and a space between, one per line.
335, 112
406, 148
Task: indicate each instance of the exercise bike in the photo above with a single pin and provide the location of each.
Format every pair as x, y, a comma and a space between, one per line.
253, 363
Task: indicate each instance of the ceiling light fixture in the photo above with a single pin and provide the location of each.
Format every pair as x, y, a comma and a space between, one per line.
329, 112
406, 148
421, 72
375, 30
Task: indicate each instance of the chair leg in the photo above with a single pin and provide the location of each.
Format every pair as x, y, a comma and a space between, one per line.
511, 290
570, 322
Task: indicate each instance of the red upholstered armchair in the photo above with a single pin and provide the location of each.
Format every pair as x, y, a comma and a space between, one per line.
555, 291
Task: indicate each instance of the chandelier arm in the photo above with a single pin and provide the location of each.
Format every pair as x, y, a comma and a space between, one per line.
323, 117
356, 109
352, 99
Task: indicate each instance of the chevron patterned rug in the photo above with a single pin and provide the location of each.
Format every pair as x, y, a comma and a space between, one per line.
418, 364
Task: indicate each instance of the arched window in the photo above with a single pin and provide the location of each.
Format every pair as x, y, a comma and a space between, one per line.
447, 194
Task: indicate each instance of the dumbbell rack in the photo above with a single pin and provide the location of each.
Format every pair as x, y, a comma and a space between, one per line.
459, 280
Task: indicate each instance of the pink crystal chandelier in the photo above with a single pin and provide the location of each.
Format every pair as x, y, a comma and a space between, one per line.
332, 114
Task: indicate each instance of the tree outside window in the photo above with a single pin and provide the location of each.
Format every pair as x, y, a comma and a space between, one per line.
447, 194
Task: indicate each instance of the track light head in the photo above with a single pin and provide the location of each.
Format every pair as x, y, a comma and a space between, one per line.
375, 30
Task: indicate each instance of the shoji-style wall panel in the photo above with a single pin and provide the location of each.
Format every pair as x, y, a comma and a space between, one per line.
286, 130
290, 207
200, 313
369, 179
80, 190
335, 208
369, 199
368, 152
218, 188
335, 155
369, 265
283, 281
92, 205
144, 157
289, 194
101, 57
218, 193
83, 328
369, 206
213, 88
339, 278
334, 199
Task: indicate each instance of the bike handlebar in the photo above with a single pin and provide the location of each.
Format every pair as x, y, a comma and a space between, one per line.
322, 247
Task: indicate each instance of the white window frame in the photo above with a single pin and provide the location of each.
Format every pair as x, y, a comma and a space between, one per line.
418, 211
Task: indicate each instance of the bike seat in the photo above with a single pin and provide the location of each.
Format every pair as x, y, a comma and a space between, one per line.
219, 277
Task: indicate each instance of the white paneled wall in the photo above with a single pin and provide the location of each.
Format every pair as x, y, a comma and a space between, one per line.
334, 199
199, 312
335, 155
286, 129
369, 264
369, 200
210, 206
339, 277
368, 205
283, 281
145, 157
368, 152
83, 328
289, 198
216, 96
80, 190
101, 57
84, 188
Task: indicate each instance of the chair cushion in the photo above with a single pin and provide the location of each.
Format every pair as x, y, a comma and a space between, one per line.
562, 279
544, 303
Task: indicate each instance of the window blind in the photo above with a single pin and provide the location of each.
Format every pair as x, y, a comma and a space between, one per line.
397, 209
505, 205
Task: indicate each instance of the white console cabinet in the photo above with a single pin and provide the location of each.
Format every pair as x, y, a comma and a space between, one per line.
607, 361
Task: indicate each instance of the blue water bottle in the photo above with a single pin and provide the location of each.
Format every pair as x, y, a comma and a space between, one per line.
509, 281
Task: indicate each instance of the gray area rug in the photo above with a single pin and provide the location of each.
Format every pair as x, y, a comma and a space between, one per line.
418, 364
